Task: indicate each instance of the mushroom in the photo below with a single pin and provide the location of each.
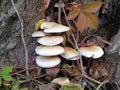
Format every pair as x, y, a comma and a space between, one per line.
47, 25
92, 51
70, 53
57, 29
61, 80
50, 40
39, 34
47, 62
49, 50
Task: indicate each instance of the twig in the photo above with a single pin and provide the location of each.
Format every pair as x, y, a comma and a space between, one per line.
82, 70
92, 79
59, 12
30, 78
106, 42
38, 77
23, 70
104, 82
22, 36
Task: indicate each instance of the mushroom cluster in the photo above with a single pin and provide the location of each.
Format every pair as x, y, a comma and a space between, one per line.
49, 47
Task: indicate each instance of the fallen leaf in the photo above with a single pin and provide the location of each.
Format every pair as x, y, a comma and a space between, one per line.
64, 40
71, 70
98, 70
93, 7
82, 22
32, 60
87, 44
52, 71
45, 5
38, 24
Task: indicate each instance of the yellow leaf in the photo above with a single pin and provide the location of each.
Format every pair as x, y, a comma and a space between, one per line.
73, 14
93, 7
82, 22
38, 24
92, 20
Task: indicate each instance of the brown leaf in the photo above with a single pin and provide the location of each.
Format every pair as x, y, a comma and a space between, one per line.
64, 40
82, 22
92, 20
87, 44
93, 7
53, 71
73, 13
72, 70
98, 70
45, 5
47, 86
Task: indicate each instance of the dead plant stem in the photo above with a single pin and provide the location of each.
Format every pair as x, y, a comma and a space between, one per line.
102, 83
22, 36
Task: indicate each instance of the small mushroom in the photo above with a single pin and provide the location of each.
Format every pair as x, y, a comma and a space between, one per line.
92, 51
50, 40
39, 34
47, 25
47, 62
61, 80
70, 53
49, 50
57, 29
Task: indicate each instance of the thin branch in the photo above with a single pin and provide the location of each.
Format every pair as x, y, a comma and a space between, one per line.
22, 36
104, 82
30, 78
92, 79
82, 70
59, 12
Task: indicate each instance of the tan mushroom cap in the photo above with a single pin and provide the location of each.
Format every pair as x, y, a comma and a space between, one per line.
47, 25
50, 40
70, 53
49, 50
57, 29
39, 34
61, 80
92, 51
47, 62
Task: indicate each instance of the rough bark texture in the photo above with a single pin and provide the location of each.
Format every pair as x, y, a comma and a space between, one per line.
110, 22
11, 46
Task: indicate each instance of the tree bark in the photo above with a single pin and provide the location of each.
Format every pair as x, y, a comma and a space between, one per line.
11, 46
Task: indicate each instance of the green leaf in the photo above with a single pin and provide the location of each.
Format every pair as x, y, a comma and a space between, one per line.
0, 81
15, 87
71, 87
7, 69
7, 77
24, 88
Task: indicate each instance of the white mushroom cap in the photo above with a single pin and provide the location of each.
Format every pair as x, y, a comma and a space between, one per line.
92, 51
38, 34
61, 80
57, 29
70, 53
50, 40
49, 50
47, 25
47, 62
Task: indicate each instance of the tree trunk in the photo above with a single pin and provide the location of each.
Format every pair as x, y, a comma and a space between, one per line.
110, 22
11, 46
